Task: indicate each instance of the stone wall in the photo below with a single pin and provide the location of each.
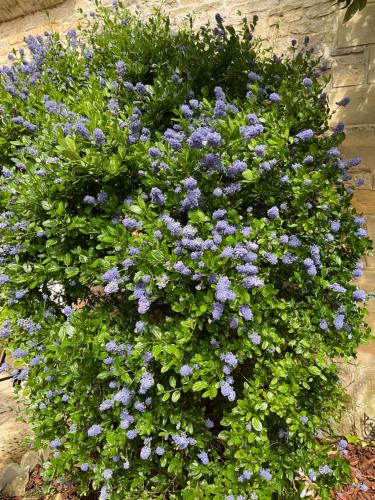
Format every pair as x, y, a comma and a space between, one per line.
348, 49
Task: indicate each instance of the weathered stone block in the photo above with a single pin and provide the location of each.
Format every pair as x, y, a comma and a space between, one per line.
358, 379
30, 460
362, 176
360, 142
371, 67
360, 111
360, 30
17, 487
364, 201
8, 473
370, 318
370, 259
320, 10
11, 9
286, 17
349, 70
252, 6
367, 282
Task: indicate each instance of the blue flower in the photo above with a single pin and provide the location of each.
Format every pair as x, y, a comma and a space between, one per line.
68, 311
182, 441
223, 292
204, 136
186, 371
203, 457
246, 312
181, 268
307, 82
157, 196
209, 423
130, 223
251, 131
106, 405
94, 430
304, 135
338, 321
255, 338
229, 358
89, 200
336, 287
120, 68
252, 119
145, 452
107, 473
99, 137
325, 470
273, 213
132, 434
146, 382
312, 475
236, 168
323, 324
260, 149
359, 296
186, 111
217, 311
343, 102
227, 391
272, 258
111, 287
362, 233
274, 97
55, 443
111, 275
265, 474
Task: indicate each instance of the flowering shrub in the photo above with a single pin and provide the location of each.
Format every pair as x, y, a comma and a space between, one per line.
177, 254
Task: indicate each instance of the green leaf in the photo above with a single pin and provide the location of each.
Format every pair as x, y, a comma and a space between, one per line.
176, 396
67, 259
257, 424
71, 271
156, 257
198, 386
135, 209
250, 175
47, 205
314, 370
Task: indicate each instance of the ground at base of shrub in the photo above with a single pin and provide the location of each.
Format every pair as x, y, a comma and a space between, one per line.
361, 459
362, 463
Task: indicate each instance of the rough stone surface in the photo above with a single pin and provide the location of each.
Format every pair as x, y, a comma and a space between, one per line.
358, 378
371, 68
8, 473
349, 69
364, 201
30, 460
10, 9
360, 30
17, 487
360, 142
360, 111
348, 49
12, 431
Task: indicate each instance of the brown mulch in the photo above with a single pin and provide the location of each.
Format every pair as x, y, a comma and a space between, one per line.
362, 463
66, 489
